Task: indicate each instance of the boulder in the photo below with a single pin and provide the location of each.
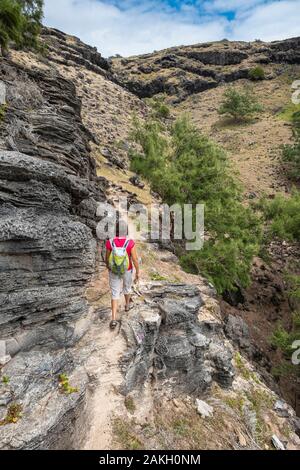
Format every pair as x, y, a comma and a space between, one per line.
204, 409
169, 342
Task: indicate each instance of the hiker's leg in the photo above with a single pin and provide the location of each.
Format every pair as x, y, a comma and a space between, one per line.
114, 309
115, 286
127, 301
127, 284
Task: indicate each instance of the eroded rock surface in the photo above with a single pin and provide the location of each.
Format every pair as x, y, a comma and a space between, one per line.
169, 339
48, 198
69, 50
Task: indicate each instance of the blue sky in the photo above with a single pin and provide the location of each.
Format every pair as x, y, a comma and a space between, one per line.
129, 27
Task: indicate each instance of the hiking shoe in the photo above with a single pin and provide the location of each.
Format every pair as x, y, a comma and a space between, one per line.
113, 324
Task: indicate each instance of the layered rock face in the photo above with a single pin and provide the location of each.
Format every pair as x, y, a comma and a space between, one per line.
69, 50
182, 71
48, 199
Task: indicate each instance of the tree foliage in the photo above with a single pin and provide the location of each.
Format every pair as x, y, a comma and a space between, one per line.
283, 213
20, 22
184, 166
10, 23
239, 105
291, 152
31, 21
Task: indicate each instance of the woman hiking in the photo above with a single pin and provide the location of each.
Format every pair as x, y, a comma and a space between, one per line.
121, 256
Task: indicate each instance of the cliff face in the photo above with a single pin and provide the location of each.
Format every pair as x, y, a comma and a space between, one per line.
182, 71
66, 118
49, 192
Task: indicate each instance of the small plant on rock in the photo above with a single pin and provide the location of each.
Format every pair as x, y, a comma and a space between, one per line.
157, 277
5, 379
14, 413
129, 404
65, 386
3, 109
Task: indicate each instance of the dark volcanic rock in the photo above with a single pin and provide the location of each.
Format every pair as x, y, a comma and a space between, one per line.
67, 50
287, 51
167, 340
136, 181
48, 199
53, 129
237, 330
182, 71
217, 57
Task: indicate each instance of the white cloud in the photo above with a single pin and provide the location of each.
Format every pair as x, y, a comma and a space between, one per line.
141, 27
277, 20
134, 31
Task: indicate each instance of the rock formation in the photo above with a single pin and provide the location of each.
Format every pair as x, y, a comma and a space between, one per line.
49, 192
182, 71
169, 340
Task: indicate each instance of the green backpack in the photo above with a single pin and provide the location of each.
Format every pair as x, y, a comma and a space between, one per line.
118, 258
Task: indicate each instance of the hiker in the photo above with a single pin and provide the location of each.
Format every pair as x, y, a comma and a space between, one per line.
121, 255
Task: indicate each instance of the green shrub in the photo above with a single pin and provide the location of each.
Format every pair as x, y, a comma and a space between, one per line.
239, 105
64, 385
31, 23
10, 23
291, 153
284, 216
159, 107
283, 340
291, 160
294, 286
184, 166
20, 22
257, 73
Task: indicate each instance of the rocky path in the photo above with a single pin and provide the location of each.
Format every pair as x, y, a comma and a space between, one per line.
103, 367
105, 400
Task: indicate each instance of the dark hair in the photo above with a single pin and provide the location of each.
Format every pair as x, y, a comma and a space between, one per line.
121, 228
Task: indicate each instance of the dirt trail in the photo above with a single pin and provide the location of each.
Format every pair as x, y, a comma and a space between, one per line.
103, 367
105, 400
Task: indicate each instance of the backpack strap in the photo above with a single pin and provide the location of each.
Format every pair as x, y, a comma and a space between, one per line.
126, 243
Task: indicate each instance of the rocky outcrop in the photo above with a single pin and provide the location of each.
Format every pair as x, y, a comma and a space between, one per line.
168, 339
182, 71
48, 198
285, 51
70, 50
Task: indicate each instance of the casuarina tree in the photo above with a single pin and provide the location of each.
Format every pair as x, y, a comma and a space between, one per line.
11, 20
20, 23
32, 11
239, 105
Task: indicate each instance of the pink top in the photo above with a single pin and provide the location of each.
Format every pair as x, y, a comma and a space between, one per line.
119, 242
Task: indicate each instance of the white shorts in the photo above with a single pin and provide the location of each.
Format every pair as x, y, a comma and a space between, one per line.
119, 284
